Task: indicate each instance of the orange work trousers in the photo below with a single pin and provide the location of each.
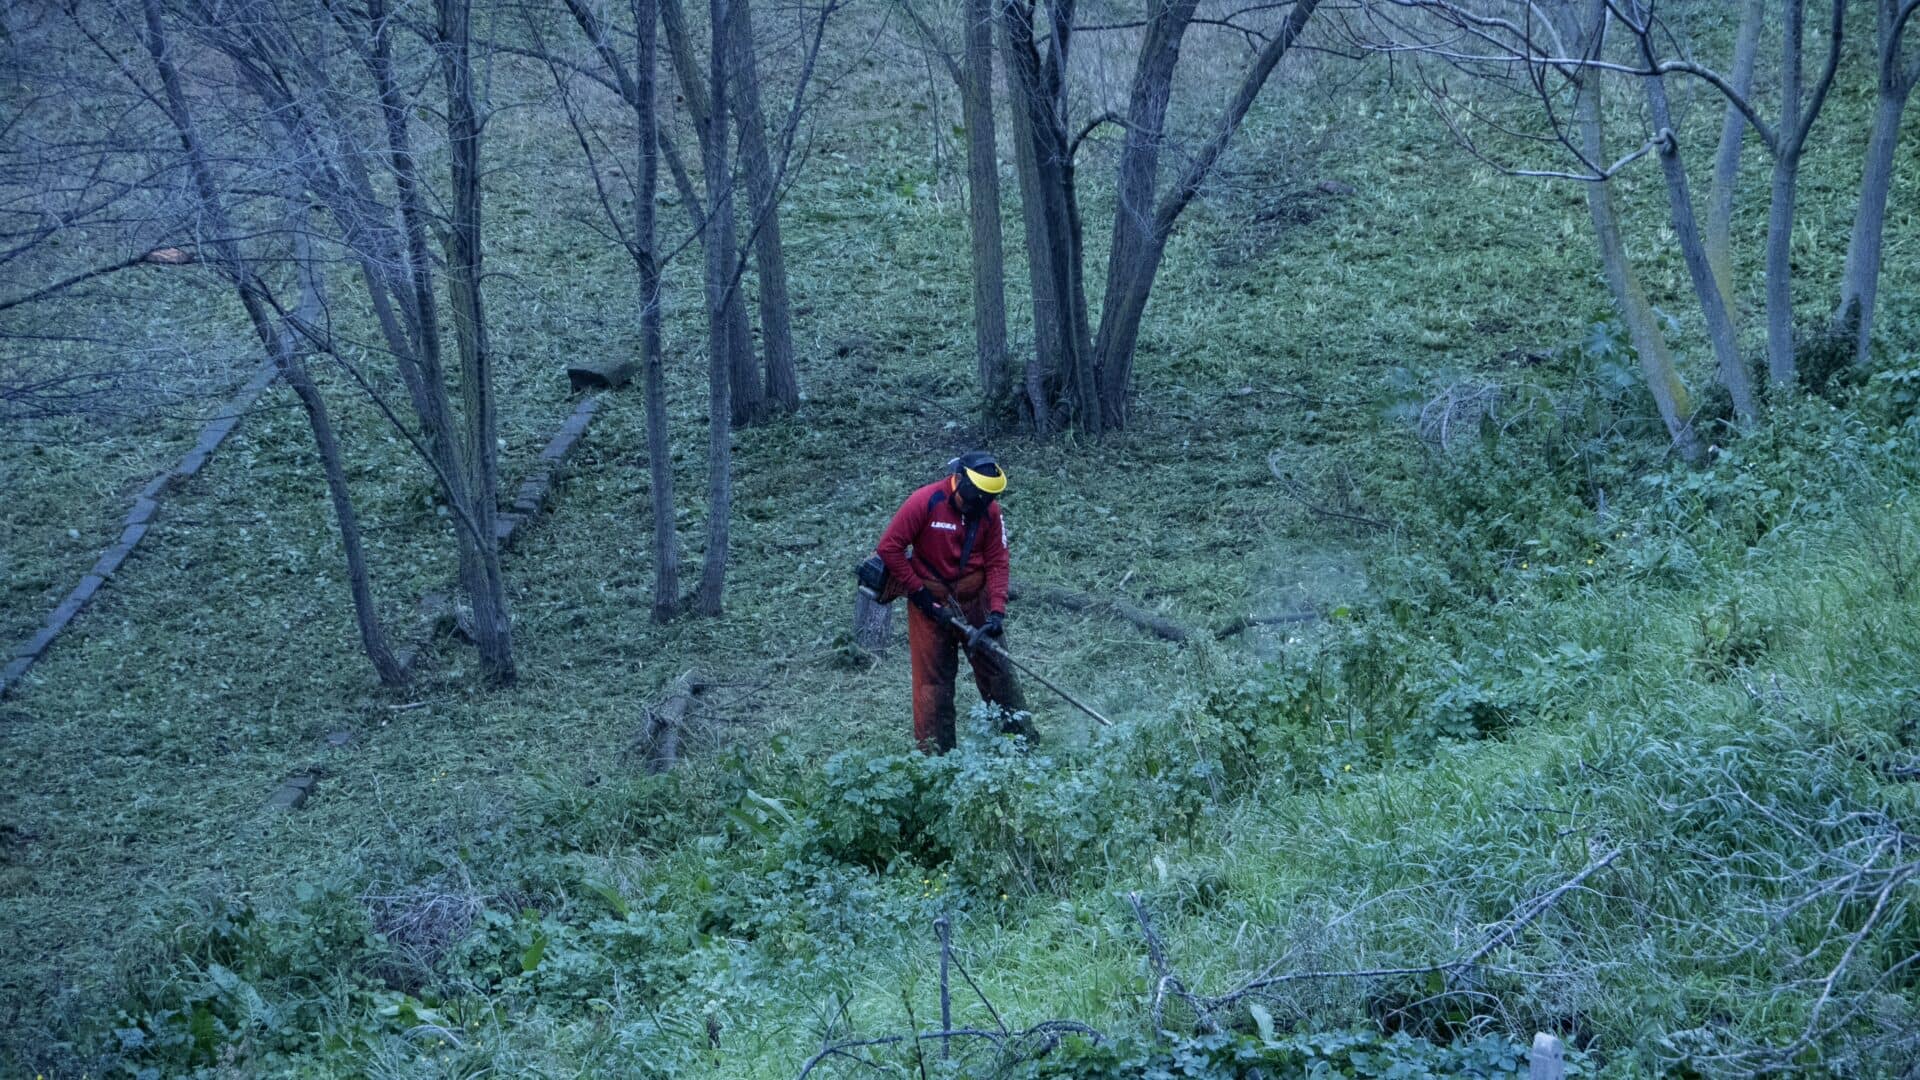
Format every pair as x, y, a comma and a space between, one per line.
936, 664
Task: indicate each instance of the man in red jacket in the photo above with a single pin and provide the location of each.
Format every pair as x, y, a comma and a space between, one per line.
946, 552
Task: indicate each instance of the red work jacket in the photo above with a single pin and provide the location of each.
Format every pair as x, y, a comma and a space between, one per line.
930, 526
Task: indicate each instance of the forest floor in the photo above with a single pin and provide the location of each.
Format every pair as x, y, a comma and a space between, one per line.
490, 866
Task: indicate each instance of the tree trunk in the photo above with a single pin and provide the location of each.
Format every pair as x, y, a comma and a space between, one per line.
487, 587
1726, 351
1649, 343
983, 211
1138, 242
1797, 117
666, 548
705, 101
311, 311
280, 347
373, 636
1049, 358
1786, 177
1860, 282
1726, 163
776, 311
1053, 242
421, 364
1120, 323
720, 254
749, 391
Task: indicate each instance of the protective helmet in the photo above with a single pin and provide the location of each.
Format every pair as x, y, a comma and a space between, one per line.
977, 473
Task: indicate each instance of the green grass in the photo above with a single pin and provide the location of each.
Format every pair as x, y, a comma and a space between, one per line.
140, 756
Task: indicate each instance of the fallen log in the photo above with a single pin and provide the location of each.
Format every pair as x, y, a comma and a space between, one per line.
1160, 627
666, 720
1248, 622
139, 521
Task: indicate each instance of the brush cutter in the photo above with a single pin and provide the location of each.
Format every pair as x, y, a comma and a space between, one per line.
980, 641
878, 585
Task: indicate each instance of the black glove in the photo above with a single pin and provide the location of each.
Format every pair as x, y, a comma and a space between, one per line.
922, 598
989, 632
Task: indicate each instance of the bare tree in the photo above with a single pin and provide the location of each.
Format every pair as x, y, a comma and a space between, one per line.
747, 391
1513, 41
1693, 250
637, 83
481, 461
1532, 61
983, 209
1643, 329
1081, 377
330, 127
1060, 386
666, 548
1896, 72
715, 165
713, 107
279, 342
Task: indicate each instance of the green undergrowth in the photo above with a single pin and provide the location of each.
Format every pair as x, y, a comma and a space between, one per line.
1689, 708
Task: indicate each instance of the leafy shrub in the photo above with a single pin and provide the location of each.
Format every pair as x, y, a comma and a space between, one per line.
246, 984
1893, 393
1729, 638
1017, 820
878, 808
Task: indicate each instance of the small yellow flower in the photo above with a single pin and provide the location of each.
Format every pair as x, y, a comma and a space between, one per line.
1589, 562
1347, 768
1523, 566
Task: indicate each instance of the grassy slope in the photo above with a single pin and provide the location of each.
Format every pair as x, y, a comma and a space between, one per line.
138, 762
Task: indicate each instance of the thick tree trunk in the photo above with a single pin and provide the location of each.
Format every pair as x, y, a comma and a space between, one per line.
1053, 228
749, 389
1049, 330
1726, 351
1120, 323
1726, 163
1138, 240
983, 210
720, 254
1649, 343
487, 587
776, 311
279, 346
1860, 283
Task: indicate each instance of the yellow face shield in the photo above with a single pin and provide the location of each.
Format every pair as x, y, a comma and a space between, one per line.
990, 485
